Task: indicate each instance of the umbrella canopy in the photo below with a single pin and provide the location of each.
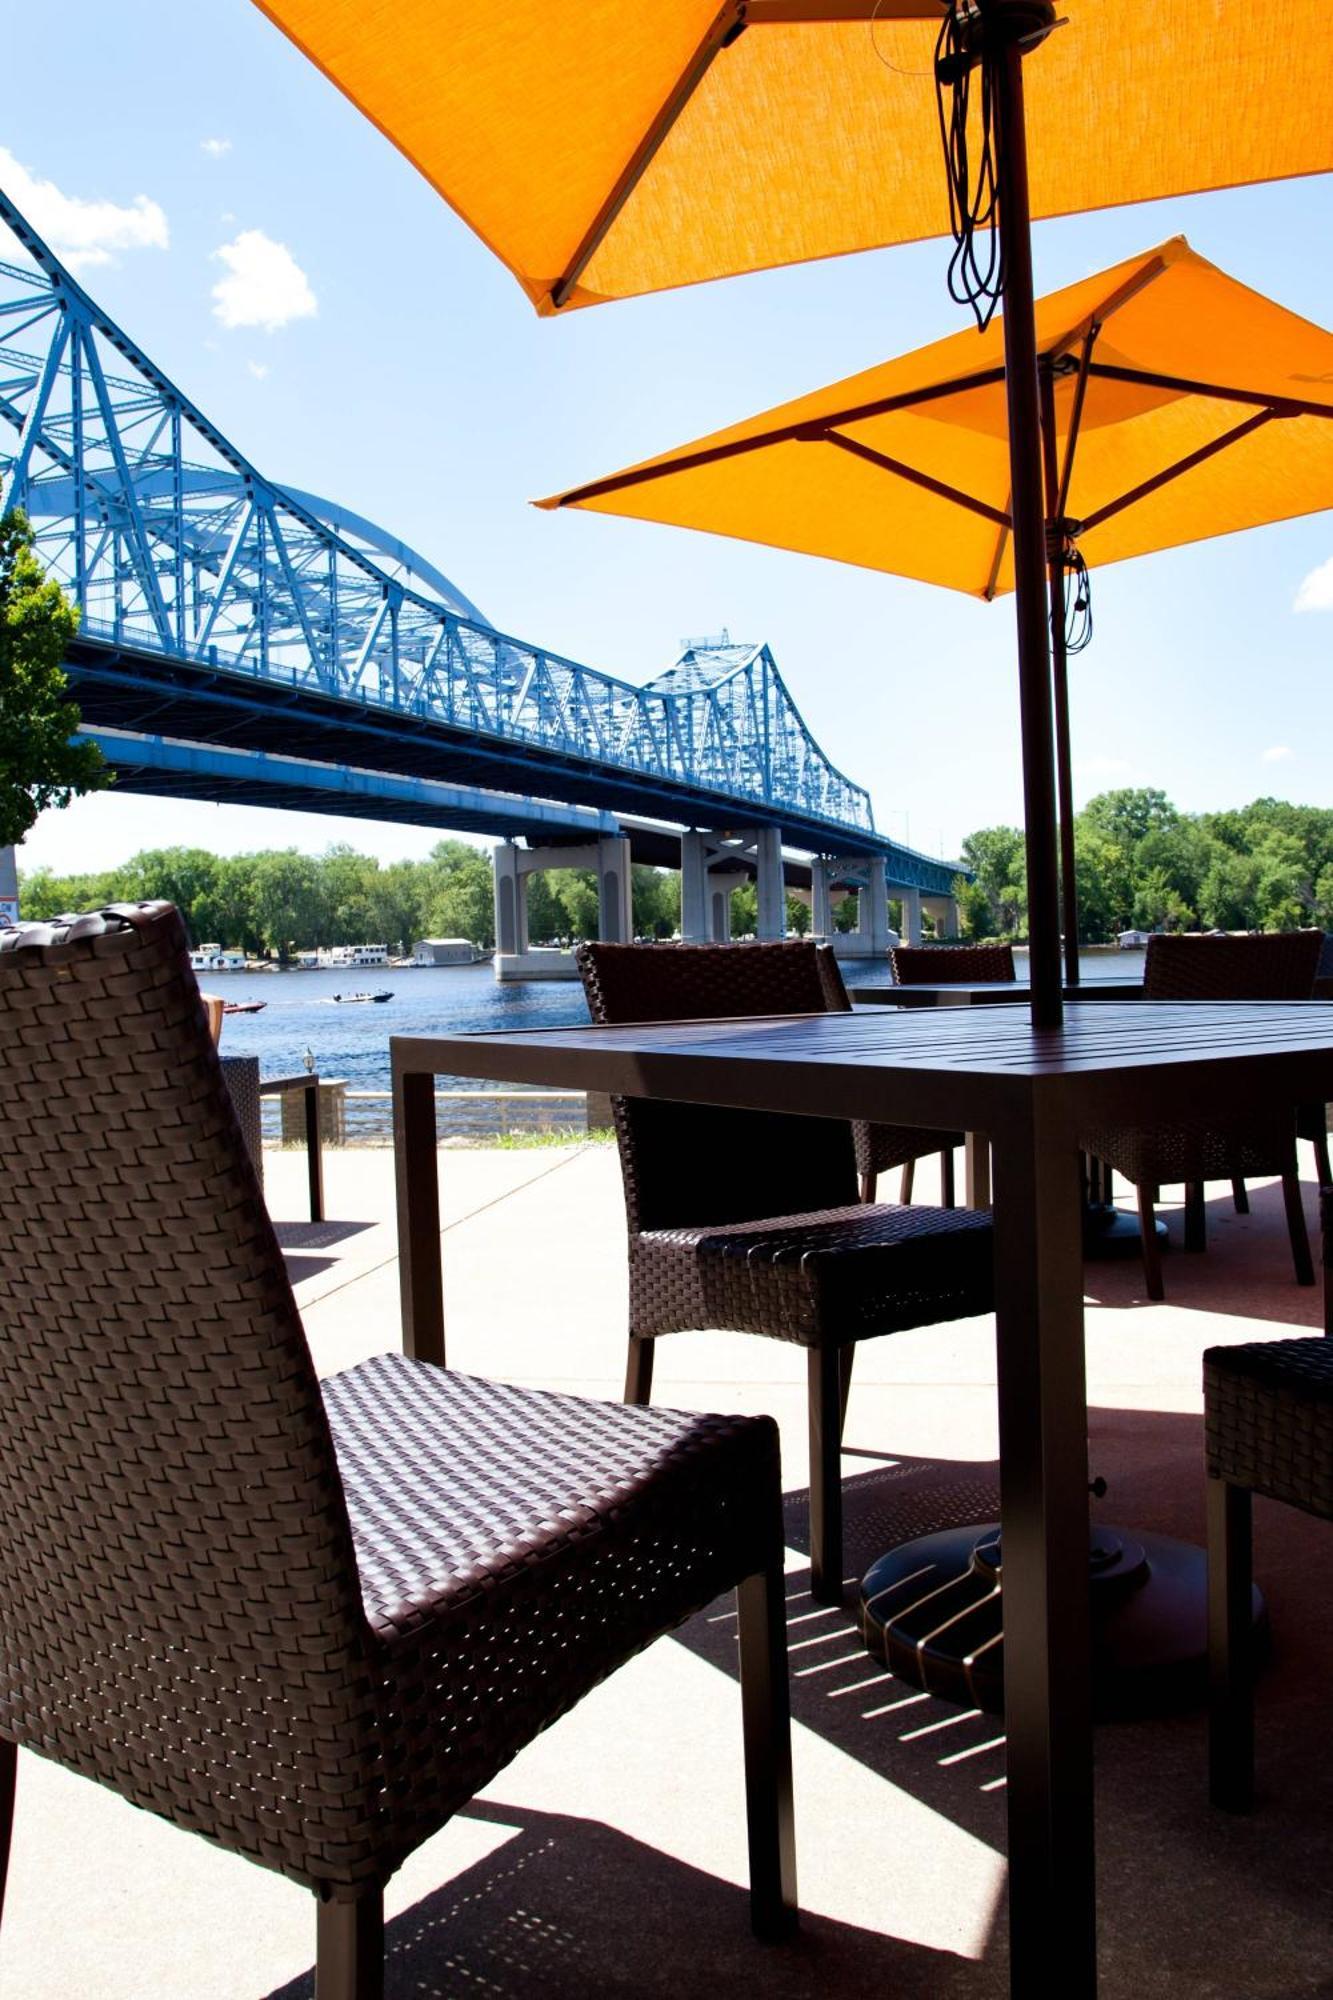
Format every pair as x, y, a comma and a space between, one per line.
1186, 406
604, 149
1177, 405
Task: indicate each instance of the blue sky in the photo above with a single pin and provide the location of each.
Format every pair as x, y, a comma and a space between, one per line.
298, 280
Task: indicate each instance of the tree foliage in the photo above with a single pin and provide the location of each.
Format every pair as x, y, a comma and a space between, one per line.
281, 901
40, 764
1144, 865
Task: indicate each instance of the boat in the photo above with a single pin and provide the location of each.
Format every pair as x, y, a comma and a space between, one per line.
244, 1006
346, 999
1132, 940
213, 958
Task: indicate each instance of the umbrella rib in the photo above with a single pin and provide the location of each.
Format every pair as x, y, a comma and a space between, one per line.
1095, 320
909, 472
1001, 543
1281, 406
1182, 465
725, 26
1075, 419
816, 429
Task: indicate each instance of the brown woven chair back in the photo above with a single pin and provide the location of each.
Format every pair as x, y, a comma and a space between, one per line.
951, 964
179, 1615
688, 1164
1270, 966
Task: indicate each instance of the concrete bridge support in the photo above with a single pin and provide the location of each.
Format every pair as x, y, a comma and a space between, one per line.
709, 873
873, 912
821, 896
911, 902
944, 912
608, 858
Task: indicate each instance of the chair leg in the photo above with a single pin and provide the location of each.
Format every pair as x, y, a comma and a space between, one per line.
9, 1758
908, 1181
349, 1949
848, 1356
1300, 1241
1240, 1195
1323, 1165
766, 1718
824, 1366
947, 1184
1196, 1221
1152, 1249
868, 1184
1230, 1648
1108, 1183
639, 1371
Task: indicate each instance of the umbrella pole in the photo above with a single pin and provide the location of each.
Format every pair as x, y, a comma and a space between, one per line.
1029, 530
1060, 678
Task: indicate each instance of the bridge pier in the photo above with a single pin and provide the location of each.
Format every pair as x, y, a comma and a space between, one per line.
709, 872
608, 858
911, 902
944, 910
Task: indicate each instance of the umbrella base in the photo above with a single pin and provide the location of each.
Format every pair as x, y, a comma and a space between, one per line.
1114, 1232
932, 1610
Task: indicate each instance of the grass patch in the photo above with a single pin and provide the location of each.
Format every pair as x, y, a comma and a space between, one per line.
522, 1142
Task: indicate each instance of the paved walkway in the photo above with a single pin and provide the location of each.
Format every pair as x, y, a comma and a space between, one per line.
609, 1858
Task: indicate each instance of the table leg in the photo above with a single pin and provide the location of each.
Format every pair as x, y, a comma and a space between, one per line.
314, 1150
416, 1173
976, 1169
1044, 1510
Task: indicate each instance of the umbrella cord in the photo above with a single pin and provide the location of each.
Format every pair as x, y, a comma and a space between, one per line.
976, 275
1078, 600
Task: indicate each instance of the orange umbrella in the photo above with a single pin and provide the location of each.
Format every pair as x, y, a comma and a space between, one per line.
603, 149
1179, 405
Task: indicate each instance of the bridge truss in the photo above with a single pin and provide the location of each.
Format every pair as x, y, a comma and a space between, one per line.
176, 548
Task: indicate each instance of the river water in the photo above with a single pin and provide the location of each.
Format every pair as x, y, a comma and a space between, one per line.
300, 1016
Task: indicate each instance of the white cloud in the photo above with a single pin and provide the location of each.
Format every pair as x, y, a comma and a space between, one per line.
82, 233
215, 148
259, 369
264, 286
1276, 754
1316, 591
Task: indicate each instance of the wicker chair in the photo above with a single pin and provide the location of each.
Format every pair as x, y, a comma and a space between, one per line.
749, 1220
879, 1147
1268, 1422
306, 1624
1215, 1147
951, 964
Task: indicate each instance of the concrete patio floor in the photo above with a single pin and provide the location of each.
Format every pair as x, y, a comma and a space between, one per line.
609, 1858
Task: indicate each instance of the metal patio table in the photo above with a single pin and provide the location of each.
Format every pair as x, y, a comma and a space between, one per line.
1032, 1091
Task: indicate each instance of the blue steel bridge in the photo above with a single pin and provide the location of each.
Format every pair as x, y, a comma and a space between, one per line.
249, 642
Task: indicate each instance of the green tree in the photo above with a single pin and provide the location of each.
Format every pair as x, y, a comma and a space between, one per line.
975, 915
459, 893
798, 916
997, 859
40, 764
656, 901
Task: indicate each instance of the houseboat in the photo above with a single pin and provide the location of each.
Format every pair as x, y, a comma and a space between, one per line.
212, 958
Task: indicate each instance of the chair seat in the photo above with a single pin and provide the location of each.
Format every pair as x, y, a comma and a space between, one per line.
838, 1275
1269, 1419
457, 1487
879, 1147
1195, 1150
